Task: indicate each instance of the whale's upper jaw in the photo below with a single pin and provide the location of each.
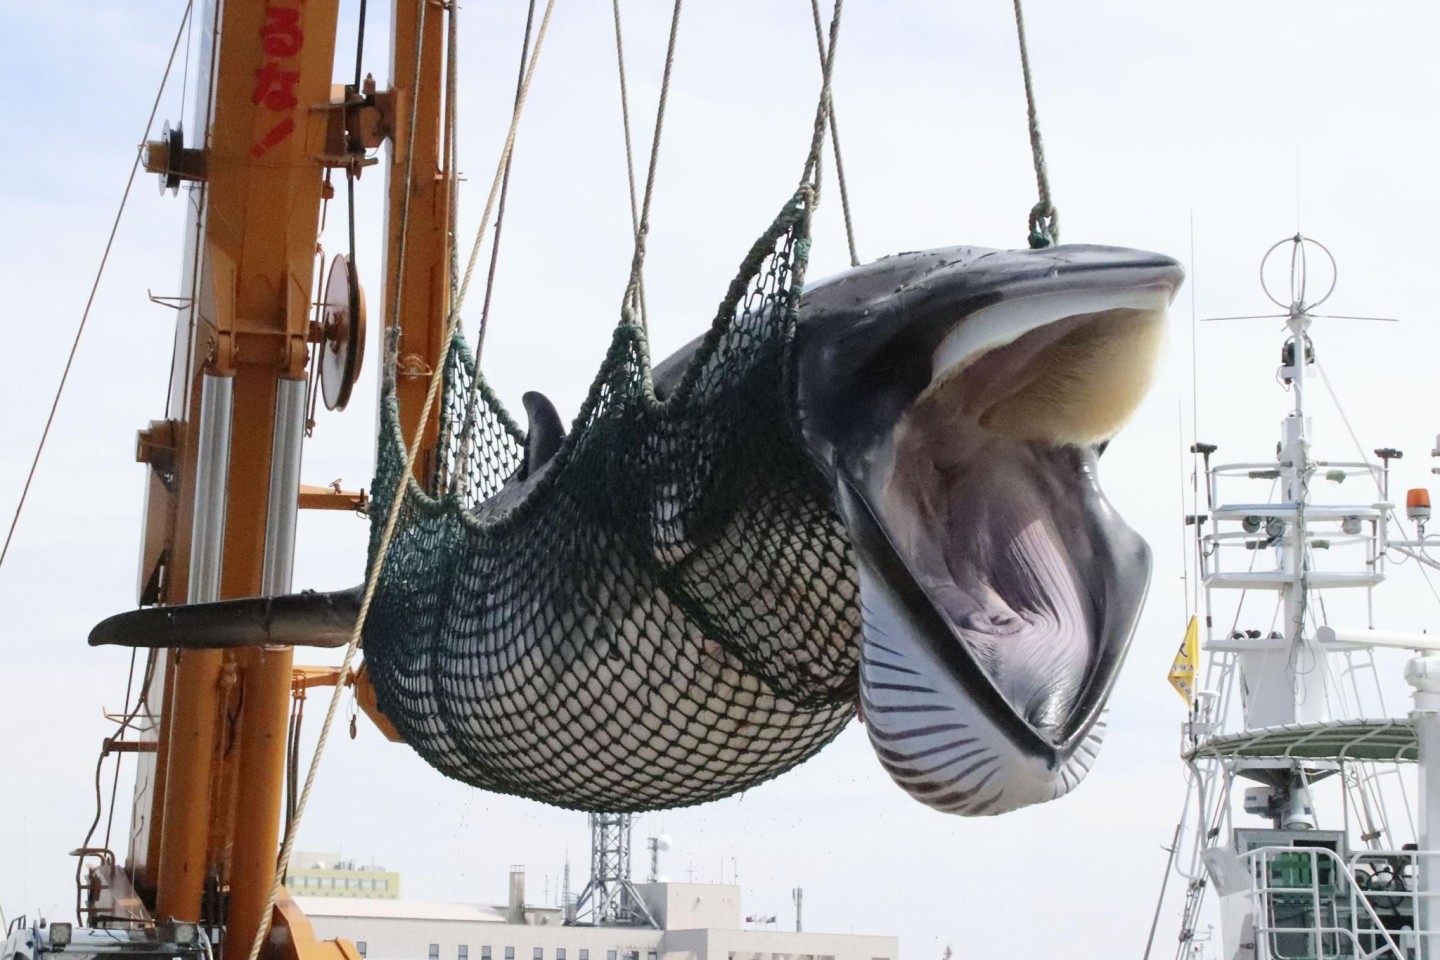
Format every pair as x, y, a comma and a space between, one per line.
956, 398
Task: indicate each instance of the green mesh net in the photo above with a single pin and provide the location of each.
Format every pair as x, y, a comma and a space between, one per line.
666, 616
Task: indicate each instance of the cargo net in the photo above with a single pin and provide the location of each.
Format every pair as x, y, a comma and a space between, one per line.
665, 615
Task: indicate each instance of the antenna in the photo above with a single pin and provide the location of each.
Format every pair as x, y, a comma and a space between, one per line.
610, 898
656, 845
567, 899
1299, 281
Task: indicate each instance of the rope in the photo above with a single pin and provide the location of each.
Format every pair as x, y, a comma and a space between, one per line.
436, 377
94, 287
409, 174
360, 44
452, 148
1044, 218
467, 427
817, 136
505, 180
629, 154
637, 264
835, 141
499, 175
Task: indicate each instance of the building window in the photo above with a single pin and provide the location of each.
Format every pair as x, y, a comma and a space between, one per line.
539, 953
464, 952
559, 953
434, 951
609, 955
509, 953
652, 955
360, 947
584, 953
484, 953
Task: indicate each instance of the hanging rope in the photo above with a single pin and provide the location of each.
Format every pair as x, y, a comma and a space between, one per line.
262, 932
1044, 219
404, 240
835, 140
630, 310
452, 148
505, 180
817, 137
94, 288
629, 154
468, 426
495, 183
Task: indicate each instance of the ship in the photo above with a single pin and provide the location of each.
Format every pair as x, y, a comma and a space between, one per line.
1309, 827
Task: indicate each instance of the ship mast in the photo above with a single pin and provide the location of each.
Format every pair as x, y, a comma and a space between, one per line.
225, 461
1294, 887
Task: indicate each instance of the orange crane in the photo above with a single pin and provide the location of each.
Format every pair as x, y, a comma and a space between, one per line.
224, 481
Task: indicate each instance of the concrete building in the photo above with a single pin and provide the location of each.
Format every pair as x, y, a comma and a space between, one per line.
327, 875
697, 921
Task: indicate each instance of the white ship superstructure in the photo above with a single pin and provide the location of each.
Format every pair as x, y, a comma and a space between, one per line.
1313, 807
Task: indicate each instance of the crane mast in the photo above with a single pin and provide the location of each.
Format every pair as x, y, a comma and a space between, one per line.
224, 486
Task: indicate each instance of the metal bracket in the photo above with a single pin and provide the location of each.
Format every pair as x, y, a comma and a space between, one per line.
357, 122
157, 446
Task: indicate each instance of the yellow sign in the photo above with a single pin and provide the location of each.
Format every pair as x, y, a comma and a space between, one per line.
1187, 662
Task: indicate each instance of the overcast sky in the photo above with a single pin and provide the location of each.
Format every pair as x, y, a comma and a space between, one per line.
1246, 117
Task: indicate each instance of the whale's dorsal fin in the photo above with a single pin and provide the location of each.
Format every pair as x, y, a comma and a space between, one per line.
545, 434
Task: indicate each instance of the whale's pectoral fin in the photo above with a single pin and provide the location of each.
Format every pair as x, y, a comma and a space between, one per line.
306, 619
545, 434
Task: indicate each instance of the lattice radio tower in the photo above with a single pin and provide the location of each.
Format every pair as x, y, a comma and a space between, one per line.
609, 898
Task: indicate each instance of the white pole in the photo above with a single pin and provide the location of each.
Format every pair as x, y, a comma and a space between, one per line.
1423, 673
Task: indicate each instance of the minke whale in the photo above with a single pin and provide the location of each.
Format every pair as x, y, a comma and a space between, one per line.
954, 404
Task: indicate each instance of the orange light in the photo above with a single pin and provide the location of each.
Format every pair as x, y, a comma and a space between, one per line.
1417, 504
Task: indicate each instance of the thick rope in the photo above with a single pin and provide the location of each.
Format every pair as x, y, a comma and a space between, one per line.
500, 173
1044, 218
630, 306
811, 174
505, 180
94, 288
392, 520
462, 478
467, 427
835, 141
629, 153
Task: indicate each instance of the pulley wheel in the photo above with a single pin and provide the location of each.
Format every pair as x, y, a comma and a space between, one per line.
343, 347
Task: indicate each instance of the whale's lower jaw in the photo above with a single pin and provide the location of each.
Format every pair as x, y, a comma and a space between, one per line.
935, 741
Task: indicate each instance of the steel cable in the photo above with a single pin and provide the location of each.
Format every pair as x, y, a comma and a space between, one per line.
94, 287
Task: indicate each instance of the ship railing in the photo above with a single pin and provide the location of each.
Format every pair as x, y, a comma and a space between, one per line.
1242, 530
1309, 904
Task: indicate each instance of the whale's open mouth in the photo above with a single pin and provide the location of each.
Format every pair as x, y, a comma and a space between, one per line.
992, 504
961, 404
